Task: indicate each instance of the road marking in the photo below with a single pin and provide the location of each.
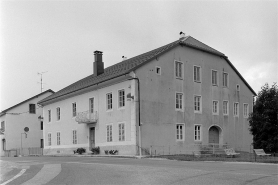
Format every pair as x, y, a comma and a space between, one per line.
18, 175
46, 174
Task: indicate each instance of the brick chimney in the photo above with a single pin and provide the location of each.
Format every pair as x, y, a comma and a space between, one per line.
98, 64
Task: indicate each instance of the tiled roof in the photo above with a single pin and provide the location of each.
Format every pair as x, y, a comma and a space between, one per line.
129, 65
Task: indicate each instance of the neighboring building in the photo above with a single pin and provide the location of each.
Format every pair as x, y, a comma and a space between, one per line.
16, 118
182, 94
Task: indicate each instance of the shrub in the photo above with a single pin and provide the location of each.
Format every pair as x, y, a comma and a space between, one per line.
80, 150
95, 150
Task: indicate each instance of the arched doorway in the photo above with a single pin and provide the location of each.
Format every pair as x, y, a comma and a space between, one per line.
214, 135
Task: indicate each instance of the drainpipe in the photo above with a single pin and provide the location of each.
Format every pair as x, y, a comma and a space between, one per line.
139, 114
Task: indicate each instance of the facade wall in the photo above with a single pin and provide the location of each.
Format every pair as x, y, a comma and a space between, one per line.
159, 115
15, 124
113, 117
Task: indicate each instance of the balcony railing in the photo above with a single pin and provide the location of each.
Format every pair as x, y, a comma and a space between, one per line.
86, 117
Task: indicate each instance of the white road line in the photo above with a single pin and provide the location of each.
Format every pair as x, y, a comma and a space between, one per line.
47, 173
18, 175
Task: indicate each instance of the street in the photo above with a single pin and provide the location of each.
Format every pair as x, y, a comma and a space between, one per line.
111, 170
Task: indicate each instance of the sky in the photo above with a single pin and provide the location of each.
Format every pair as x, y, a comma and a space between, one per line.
59, 38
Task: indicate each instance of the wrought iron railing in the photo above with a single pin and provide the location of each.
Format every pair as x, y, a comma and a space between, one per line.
86, 117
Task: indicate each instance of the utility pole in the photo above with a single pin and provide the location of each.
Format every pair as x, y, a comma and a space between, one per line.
41, 79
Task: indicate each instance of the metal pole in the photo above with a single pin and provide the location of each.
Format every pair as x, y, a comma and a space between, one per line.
21, 144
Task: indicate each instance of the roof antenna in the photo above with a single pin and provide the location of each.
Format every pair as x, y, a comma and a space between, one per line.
41, 79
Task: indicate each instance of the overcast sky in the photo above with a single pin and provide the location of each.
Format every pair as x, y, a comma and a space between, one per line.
60, 37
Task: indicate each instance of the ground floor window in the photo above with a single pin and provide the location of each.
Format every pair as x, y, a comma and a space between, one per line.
74, 136
197, 133
121, 132
179, 132
109, 133
58, 138
49, 139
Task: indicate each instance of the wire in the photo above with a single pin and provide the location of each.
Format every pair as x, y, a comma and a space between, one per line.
12, 113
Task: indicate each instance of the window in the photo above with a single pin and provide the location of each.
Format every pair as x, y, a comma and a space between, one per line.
49, 115
179, 128
42, 143
49, 139
215, 107
158, 70
197, 103
197, 133
109, 133
121, 98
236, 109
41, 125
197, 74
58, 113
225, 79
178, 67
32, 108
121, 132
74, 136
225, 107
3, 126
58, 138
179, 97
91, 105
73, 109
214, 77
245, 110
109, 101
237, 87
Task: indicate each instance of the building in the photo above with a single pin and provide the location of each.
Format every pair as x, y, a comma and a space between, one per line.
22, 124
173, 98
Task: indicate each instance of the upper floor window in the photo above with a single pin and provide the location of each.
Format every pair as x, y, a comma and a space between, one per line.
179, 98
49, 115
236, 107
121, 132
91, 105
41, 125
197, 133
197, 104
225, 107
32, 108
214, 77
73, 109
225, 79
215, 107
197, 74
74, 137
245, 110
121, 98
178, 69
2, 126
58, 113
109, 133
109, 101
179, 131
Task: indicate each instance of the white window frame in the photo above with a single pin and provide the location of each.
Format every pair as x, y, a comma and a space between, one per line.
121, 131
74, 137
49, 139
49, 115
159, 70
179, 101
58, 138
195, 77
225, 79
108, 108
109, 132
200, 104
245, 110
215, 107
119, 99
58, 113
91, 105
179, 76
214, 79
198, 132
74, 109
180, 131
236, 109
227, 108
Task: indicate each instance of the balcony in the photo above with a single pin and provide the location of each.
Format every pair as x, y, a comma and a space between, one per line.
86, 117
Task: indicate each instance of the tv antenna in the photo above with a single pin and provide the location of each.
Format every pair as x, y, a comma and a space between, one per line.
41, 73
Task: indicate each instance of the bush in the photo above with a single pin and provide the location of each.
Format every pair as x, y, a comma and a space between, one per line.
80, 151
95, 150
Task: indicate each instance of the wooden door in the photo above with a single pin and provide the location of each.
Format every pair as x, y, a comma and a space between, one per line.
214, 135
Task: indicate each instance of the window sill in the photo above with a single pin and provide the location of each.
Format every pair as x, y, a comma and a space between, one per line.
197, 81
179, 78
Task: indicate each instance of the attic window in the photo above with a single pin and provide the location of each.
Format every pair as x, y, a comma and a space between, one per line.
158, 70
32, 108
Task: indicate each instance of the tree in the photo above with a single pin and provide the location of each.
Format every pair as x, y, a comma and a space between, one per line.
263, 120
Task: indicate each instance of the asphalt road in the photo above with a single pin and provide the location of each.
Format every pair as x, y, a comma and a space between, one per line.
110, 170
